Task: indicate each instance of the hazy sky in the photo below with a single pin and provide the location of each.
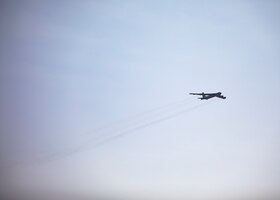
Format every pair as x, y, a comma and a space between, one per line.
69, 67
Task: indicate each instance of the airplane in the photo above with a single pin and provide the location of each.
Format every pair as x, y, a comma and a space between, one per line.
206, 96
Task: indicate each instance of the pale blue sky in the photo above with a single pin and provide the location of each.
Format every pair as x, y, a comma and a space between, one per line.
68, 67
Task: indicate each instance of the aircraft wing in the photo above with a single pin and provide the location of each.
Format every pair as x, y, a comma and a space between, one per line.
196, 93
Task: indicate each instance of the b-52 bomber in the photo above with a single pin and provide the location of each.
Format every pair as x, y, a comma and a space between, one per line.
206, 96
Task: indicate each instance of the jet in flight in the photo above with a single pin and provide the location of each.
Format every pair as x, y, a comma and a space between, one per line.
206, 96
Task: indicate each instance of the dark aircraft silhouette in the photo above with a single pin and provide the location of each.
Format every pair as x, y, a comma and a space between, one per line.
206, 96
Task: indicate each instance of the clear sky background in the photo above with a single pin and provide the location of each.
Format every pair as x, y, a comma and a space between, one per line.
69, 67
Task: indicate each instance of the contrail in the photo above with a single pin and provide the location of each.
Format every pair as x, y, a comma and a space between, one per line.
119, 135
141, 115
136, 119
132, 130
58, 156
